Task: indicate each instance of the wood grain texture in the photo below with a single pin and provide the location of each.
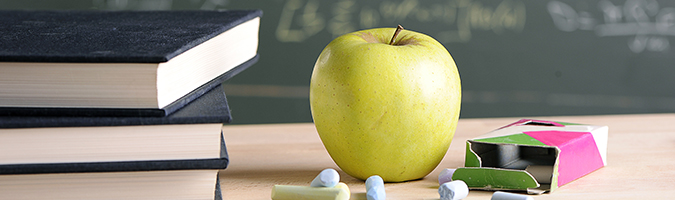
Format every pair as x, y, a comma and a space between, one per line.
641, 159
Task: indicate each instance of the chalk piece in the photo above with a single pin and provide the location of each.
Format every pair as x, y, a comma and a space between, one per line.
453, 190
499, 195
327, 178
445, 176
293, 192
375, 188
374, 180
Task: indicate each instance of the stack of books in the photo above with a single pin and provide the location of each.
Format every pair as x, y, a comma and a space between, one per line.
118, 104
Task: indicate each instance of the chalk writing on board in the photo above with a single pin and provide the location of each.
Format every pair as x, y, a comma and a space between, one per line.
158, 4
302, 19
309, 20
647, 25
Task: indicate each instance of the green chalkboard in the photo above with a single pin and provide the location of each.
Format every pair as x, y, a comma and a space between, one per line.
515, 57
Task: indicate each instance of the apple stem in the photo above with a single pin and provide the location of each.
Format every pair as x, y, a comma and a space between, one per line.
398, 30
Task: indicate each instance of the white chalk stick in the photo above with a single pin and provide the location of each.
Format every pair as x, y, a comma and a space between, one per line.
293, 192
453, 190
327, 178
374, 180
375, 188
445, 176
499, 195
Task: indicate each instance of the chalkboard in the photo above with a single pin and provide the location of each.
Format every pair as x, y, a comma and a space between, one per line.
515, 57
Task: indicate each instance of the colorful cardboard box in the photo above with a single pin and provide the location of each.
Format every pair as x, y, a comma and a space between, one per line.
536, 156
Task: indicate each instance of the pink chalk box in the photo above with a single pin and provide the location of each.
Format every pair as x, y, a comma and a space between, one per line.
536, 156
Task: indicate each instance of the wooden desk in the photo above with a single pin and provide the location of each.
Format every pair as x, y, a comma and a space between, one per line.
641, 160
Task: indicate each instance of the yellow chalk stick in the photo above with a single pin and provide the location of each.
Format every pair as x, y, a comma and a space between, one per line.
293, 192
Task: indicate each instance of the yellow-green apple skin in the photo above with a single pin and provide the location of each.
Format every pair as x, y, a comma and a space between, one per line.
387, 110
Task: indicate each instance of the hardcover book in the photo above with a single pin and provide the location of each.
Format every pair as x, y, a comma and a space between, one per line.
127, 112
159, 184
193, 132
117, 60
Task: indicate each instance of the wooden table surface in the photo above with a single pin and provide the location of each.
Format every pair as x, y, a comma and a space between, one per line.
641, 160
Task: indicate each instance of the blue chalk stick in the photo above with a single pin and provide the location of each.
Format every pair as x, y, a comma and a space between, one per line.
375, 188
327, 178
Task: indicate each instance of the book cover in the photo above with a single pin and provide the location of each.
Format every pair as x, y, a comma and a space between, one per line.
211, 107
124, 62
110, 36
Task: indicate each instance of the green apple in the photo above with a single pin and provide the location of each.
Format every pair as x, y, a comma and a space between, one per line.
385, 102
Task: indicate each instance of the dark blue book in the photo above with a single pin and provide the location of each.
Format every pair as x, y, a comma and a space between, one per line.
210, 108
116, 143
119, 63
119, 157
